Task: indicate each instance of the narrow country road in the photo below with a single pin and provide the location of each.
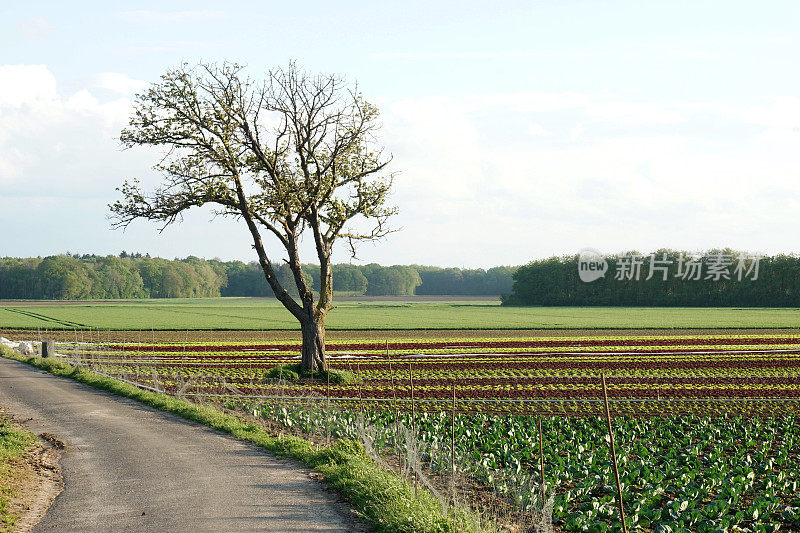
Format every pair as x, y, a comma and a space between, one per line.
128, 467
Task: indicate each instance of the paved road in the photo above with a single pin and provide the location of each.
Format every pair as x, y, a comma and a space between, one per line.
128, 467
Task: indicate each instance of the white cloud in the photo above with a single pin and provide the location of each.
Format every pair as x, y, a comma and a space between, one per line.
58, 144
634, 113
484, 180
167, 17
119, 83
538, 131
31, 85
687, 175
35, 28
442, 145
576, 132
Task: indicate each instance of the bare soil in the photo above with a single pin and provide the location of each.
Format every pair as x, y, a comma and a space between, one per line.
38, 483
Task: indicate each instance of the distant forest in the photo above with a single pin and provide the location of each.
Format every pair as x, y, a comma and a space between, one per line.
717, 278
77, 277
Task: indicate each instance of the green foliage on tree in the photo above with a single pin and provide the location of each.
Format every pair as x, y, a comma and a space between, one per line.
292, 156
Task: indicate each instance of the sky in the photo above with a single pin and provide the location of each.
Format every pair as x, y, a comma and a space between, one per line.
519, 130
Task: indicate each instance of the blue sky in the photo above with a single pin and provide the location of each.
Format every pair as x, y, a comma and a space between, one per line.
521, 130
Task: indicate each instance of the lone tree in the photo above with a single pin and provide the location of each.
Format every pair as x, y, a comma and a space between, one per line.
289, 154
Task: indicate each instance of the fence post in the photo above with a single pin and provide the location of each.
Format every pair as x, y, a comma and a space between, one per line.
328, 407
541, 458
48, 348
360, 398
413, 428
614, 456
396, 412
453, 447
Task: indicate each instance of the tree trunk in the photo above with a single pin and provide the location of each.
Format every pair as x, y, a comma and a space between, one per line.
313, 351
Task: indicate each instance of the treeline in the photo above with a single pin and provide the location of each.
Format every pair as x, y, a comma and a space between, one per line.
247, 279
718, 278
74, 277
65, 277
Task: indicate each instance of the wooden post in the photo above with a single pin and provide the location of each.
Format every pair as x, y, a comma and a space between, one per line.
541, 458
94, 348
311, 393
396, 411
328, 407
453, 446
614, 456
48, 348
413, 424
360, 399
280, 381
138, 354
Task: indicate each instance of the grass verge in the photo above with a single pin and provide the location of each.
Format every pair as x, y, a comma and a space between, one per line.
14, 442
386, 500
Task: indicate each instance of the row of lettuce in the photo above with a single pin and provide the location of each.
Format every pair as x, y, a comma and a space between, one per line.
73, 277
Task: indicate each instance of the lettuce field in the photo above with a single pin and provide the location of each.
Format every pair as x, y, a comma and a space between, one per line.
706, 428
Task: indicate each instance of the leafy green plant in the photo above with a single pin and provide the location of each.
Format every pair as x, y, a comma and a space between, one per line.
295, 372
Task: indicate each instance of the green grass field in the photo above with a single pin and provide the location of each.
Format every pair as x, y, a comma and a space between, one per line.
264, 314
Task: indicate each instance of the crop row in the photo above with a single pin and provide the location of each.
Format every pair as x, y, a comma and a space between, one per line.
484, 344
377, 369
482, 388
600, 351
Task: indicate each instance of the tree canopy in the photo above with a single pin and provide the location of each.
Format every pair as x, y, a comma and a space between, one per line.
293, 154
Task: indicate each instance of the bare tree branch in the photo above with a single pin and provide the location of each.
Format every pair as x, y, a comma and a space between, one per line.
294, 151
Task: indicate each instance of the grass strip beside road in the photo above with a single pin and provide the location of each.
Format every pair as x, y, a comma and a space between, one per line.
15, 441
387, 501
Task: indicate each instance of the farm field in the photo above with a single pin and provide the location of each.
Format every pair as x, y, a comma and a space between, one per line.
647, 375
375, 314
706, 425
